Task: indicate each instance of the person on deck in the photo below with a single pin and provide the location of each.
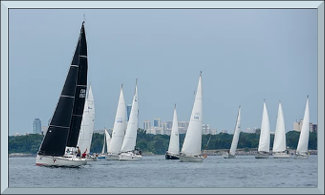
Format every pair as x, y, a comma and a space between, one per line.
78, 153
84, 154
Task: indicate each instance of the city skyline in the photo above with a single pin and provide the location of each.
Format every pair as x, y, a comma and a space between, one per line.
246, 57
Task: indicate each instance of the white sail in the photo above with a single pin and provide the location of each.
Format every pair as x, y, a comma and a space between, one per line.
91, 112
108, 139
130, 137
279, 144
119, 126
235, 138
193, 138
104, 142
87, 124
173, 147
264, 142
304, 134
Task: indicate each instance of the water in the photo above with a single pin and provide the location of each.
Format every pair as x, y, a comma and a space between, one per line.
155, 171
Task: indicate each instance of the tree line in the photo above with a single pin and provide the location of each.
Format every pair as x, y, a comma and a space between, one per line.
158, 144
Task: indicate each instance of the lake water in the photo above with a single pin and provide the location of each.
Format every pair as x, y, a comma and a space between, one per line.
155, 171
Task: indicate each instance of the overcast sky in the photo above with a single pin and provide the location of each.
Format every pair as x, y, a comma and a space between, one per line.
246, 55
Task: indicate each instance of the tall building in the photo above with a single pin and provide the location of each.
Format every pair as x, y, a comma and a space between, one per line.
146, 125
37, 126
169, 124
297, 125
44, 130
128, 110
312, 127
156, 122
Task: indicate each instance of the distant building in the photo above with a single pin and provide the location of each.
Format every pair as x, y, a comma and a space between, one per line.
163, 127
128, 110
297, 126
16, 134
146, 125
169, 124
313, 127
224, 131
44, 130
258, 131
156, 122
37, 126
183, 124
206, 129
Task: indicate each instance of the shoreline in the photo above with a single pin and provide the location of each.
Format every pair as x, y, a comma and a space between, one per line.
219, 152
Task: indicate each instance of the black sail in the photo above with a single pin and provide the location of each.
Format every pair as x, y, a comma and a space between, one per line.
56, 138
80, 93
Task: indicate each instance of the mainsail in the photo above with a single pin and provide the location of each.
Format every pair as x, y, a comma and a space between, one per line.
304, 134
264, 142
173, 147
193, 138
119, 126
235, 138
279, 144
65, 123
130, 138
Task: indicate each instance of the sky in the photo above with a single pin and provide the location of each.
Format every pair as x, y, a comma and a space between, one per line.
246, 56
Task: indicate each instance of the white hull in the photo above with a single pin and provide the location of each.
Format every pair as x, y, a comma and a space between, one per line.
112, 157
301, 156
91, 158
60, 161
229, 156
130, 156
196, 158
281, 155
262, 156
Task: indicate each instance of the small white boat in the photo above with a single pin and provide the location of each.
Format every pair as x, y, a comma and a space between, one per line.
64, 128
128, 151
234, 143
279, 144
130, 156
191, 150
264, 142
173, 147
302, 148
115, 145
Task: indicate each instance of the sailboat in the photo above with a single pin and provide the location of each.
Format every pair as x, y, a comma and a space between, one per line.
235, 139
191, 150
264, 142
87, 126
118, 129
302, 148
106, 143
173, 148
64, 128
128, 150
279, 144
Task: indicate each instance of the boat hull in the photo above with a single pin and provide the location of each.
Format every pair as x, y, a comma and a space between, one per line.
59, 161
101, 157
129, 156
112, 157
91, 158
262, 156
281, 155
169, 156
229, 156
301, 156
196, 158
